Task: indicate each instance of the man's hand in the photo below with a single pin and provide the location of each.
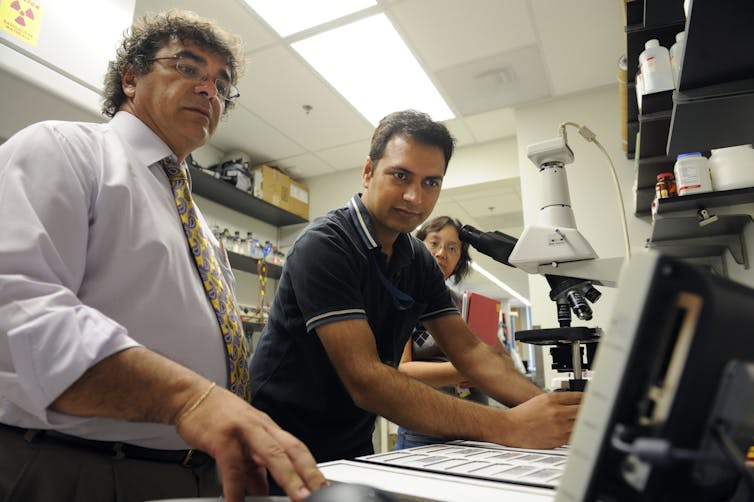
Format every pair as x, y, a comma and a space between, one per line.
245, 443
140, 385
544, 421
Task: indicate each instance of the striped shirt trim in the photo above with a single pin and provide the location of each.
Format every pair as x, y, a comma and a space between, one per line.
439, 313
350, 313
362, 225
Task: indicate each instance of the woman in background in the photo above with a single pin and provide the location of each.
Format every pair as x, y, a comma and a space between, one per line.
422, 357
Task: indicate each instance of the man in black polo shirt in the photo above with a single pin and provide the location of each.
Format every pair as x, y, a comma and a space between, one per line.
354, 284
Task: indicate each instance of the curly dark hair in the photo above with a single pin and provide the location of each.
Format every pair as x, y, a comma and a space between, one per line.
150, 33
411, 124
435, 225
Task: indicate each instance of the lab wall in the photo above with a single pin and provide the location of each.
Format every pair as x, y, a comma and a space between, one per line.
59, 53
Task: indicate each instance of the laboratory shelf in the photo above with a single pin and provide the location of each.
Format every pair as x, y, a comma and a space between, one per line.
228, 195
727, 110
717, 35
688, 237
653, 134
706, 200
714, 104
643, 198
249, 264
648, 168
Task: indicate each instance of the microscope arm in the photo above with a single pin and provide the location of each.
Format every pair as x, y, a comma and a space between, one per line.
601, 271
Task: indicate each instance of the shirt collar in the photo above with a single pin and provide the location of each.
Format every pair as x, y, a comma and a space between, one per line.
145, 143
362, 221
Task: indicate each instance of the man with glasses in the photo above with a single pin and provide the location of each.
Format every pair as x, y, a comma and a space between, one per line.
118, 329
354, 285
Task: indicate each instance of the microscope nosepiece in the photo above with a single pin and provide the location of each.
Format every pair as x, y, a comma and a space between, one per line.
579, 305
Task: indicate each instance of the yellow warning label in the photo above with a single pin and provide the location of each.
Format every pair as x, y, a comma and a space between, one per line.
21, 18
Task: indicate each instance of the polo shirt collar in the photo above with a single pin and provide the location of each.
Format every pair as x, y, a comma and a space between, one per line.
403, 248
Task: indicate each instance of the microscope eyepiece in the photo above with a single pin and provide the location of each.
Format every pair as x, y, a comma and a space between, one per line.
496, 245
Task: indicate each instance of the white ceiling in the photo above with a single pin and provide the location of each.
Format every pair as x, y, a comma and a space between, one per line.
485, 56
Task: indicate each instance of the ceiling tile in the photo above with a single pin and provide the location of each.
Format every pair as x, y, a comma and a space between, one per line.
581, 41
445, 33
279, 85
507, 186
486, 205
351, 156
242, 130
497, 81
492, 125
233, 15
303, 166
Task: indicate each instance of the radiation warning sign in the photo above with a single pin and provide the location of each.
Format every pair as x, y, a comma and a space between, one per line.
21, 18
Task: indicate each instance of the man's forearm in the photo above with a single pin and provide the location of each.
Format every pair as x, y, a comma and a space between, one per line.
135, 385
498, 377
493, 373
416, 406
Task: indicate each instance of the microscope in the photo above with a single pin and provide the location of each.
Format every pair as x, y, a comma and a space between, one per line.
556, 249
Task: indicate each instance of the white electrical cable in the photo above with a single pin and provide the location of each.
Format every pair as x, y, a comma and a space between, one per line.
588, 135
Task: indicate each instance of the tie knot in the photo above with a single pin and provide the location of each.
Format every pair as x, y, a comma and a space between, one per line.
173, 169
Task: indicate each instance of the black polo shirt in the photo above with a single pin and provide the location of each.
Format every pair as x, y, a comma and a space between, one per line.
331, 274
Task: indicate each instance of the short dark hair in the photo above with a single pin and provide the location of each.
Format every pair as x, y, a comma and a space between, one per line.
150, 33
411, 124
435, 225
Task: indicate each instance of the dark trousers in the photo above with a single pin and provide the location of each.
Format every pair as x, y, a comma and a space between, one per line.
43, 470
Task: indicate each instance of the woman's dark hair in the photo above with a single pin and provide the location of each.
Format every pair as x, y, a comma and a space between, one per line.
150, 33
435, 225
415, 125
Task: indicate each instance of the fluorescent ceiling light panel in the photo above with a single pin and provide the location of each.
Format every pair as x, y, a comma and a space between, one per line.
369, 64
501, 284
291, 16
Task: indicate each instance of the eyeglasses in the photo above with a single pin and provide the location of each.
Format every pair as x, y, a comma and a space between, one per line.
450, 249
198, 73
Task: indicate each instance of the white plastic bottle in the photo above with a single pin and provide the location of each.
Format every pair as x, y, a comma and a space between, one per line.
655, 67
692, 174
676, 56
732, 167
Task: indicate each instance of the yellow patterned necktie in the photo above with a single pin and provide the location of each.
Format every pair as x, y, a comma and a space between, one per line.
217, 290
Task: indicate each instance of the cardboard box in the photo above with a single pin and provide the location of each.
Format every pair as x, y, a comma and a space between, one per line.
298, 201
275, 187
271, 185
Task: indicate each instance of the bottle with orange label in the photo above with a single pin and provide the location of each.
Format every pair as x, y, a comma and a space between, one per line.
665, 186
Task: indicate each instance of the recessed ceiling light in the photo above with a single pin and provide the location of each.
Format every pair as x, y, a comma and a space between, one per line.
501, 284
292, 16
370, 65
